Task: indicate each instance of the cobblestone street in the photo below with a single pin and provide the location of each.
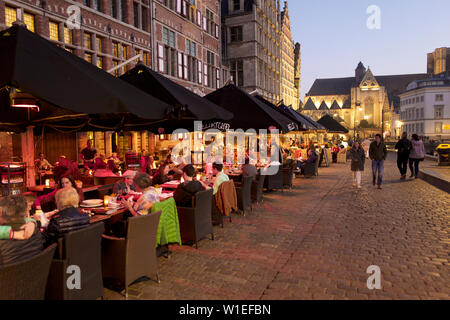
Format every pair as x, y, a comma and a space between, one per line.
316, 242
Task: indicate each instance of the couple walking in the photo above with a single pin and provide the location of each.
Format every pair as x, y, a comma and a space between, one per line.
414, 151
377, 153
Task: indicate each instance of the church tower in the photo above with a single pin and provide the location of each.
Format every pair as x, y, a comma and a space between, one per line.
360, 72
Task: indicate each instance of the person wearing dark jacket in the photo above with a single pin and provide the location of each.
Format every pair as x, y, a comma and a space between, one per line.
377, 153
68, 217
358, 158
312, 157
403, 148
13, 210
186, 190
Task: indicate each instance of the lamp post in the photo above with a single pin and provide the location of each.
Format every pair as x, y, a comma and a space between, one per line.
357, 106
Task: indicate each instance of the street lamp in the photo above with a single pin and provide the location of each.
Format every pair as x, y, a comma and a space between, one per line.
357, 104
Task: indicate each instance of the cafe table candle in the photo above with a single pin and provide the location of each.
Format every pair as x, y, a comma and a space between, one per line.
106, 201
47, 183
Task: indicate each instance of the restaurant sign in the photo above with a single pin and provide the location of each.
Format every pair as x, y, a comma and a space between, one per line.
217, 125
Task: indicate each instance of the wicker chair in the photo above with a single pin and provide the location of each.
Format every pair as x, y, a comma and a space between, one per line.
195, 223
275, 181
26, 280
312, 169
244, 194
128, 259
288, 174
257, 189
83, 249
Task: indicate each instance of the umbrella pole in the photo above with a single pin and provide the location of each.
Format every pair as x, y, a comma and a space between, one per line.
28, 155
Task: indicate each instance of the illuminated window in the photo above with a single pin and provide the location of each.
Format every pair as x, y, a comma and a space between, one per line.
100, 62
87, 41
137, 51
99, 45
116, 72
88, 57
10, 16
125, 52
28, 19
116, 49
53, 29
146, 58
68, 36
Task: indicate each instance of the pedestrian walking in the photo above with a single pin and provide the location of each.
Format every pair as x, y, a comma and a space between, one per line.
377, 153
358, 158
416, 155
403, 148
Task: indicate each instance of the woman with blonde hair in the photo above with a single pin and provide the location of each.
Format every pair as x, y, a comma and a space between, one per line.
68, 217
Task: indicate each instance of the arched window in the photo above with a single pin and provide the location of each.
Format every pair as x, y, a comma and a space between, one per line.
368, 110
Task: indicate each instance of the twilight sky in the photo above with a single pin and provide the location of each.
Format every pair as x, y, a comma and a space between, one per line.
335, 37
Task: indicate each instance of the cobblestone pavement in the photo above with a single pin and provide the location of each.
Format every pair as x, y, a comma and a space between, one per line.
316, 242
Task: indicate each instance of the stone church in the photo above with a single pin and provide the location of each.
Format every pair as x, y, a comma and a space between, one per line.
364, 103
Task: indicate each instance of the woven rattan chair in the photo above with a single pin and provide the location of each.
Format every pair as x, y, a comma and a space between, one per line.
128, 259
26, 280
196, 223
80, 248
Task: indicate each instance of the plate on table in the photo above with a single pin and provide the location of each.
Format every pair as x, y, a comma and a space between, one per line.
173, 182
93, 203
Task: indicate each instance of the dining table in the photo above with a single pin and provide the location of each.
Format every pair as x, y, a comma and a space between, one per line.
106, 213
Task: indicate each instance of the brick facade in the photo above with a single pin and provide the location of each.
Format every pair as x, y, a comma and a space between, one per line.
175, 23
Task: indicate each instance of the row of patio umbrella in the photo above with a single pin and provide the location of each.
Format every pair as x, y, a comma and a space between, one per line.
74, 95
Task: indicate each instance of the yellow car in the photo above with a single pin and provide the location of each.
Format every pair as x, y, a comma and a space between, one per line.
443, 151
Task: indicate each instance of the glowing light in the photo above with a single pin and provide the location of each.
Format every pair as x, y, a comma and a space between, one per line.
47, 183
29, 106
106, 200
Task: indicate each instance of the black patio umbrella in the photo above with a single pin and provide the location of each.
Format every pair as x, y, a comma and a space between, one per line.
249, 112
314, 126
307, 125
188, 104
299, 126
62, 85
332, 125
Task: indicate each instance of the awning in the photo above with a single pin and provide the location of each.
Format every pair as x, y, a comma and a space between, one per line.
332, 125
65, 85
187, 103
315, 126
249, 112
283, 109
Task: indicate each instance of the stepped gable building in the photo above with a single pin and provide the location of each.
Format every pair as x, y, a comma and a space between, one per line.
290, 93
297, 68
363, 102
